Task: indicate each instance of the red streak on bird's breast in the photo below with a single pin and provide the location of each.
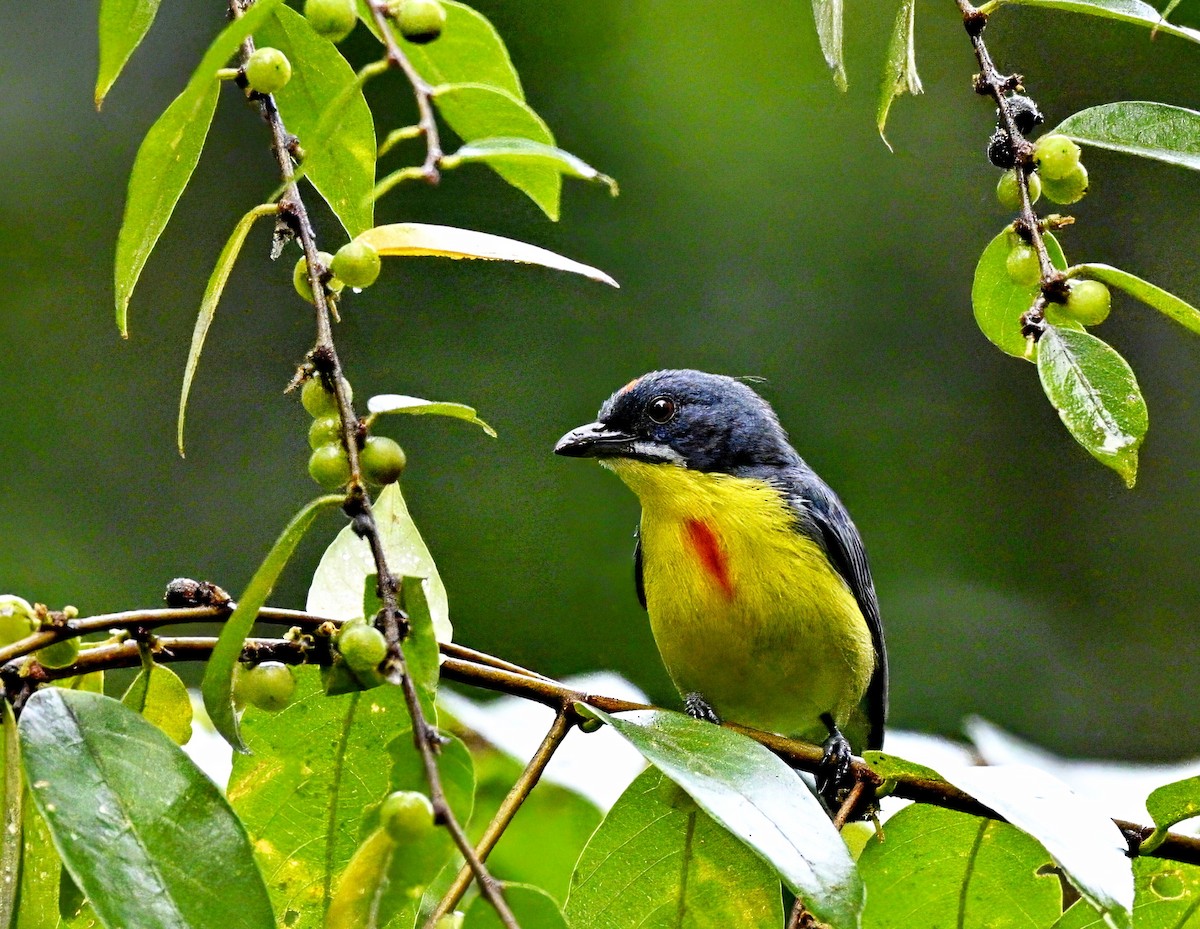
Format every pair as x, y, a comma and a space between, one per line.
704, 542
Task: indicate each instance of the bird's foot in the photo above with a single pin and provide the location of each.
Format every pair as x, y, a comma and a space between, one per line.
835, 763
698, 708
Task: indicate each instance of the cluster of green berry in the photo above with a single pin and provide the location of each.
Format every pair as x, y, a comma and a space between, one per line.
382, 459
1056, 168
356, 263
1088, 302
268, 685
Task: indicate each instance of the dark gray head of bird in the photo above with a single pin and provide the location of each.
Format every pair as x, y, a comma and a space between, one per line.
705, 422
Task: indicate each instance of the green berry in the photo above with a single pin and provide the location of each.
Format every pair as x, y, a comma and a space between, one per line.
1056, 156
317, 399
300, 277
268, 686
334, 19
60, 654
268, 70
1008, 190
382, 460
329, 466
406, 815
362, 647
1022, 266
1069, 189
420, 21
16, 619
356, 264
325, 430
1088, 302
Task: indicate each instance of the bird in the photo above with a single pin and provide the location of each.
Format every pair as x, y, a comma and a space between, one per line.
753, 574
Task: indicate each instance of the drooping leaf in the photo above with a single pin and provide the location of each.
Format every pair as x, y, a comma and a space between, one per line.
1171, 804
415, 239
938, 867
1126, 11
398, 403
1096, 395
162, 698
1139, 127
123, 25
14, 805
1081, 839
518, 151
168, 156
337, 585
217, 686
532, 907
1000, 302
828, 14
478, 111
145, 834
1154, 297
1166, 896
208, 305
343, 169
900, 67
657, 861
758, 798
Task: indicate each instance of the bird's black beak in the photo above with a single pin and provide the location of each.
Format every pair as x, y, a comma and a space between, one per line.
595, 440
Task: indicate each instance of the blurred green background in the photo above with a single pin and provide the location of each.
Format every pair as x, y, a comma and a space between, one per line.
762, 229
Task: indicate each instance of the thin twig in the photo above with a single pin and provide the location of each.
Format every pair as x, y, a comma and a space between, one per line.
508, 809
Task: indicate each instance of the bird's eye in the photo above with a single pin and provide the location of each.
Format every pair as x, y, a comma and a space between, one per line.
661, 410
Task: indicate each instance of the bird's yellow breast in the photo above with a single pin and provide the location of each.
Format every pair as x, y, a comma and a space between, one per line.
746, 610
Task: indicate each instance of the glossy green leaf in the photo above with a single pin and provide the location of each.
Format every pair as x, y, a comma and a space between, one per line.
1082, 840
1126, 11
900, 66
162, 698
123, 25
892, 766
14, 803
758, 798
1000, 302
938, 867
478, 111
828, 14
398, 403
526, 151
421, 646
659, 862
208, 305
423, 239
145, 834
337, 585
1139, 127
1154, 297
1166, 896
217, 686
532, 907
41, 870
343, 170
1170, 804
169, 154
1096, 395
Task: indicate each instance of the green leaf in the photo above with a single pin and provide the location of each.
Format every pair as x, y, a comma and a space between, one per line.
900, 68
1170, 804
1082, 840
162, 698
828, 14
526, 151
478, 111
1139, 127
658, 861
168, 156
1154, 297
1096, 395
1167, 11
123, 25
208, 305
758, 798
398, 403
217, 686
1000, 302
890, 767
145, 834
342, 169
337, 586
40, 874
938, 867
532, 907
1166, 896
422, 239
12, 838
1126, 11
421, 646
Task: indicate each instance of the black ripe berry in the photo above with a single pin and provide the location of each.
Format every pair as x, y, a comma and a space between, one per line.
1025, 113
1000, 150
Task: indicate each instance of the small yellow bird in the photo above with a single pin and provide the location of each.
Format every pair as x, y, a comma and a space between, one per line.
754, 576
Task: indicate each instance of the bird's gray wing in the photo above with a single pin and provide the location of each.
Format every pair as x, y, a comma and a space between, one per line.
638, 583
